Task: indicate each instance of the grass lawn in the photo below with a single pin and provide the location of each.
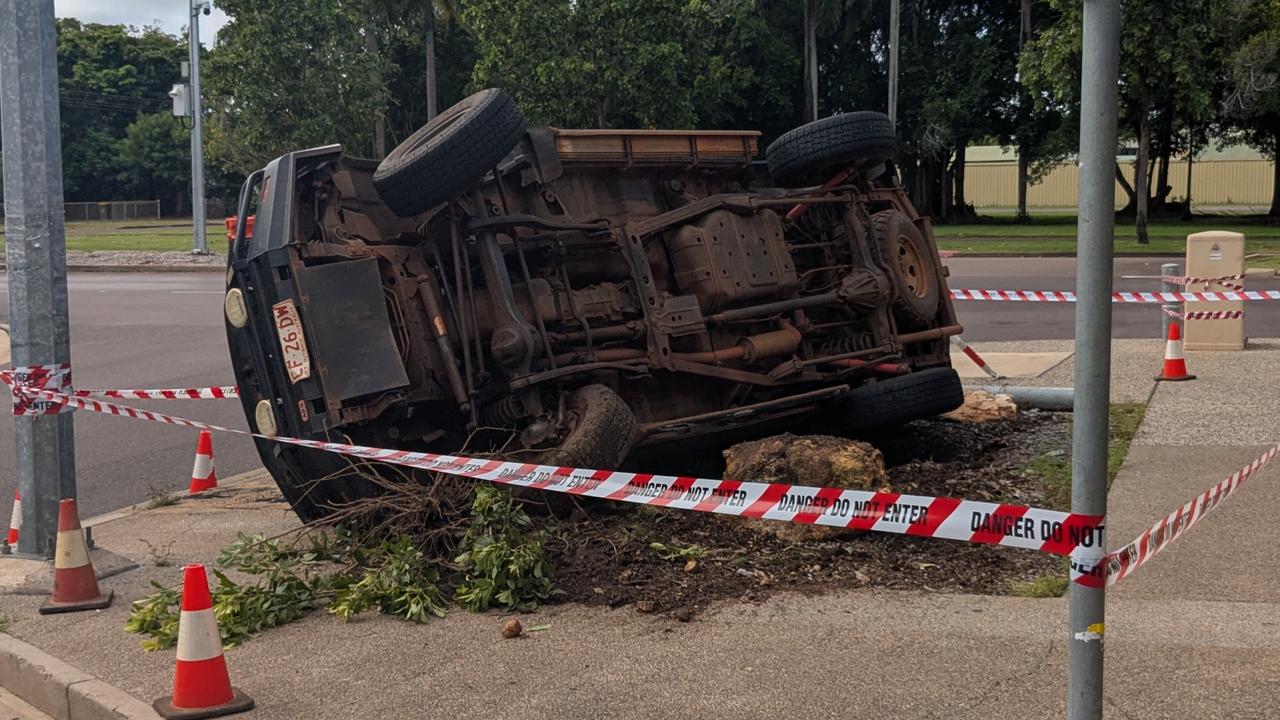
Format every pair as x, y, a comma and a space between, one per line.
152, 235
1054, 472
1056, 233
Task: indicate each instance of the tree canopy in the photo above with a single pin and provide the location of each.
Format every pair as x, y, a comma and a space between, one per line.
287, 74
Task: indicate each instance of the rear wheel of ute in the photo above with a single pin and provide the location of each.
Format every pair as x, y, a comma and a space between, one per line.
599, 433
898, 400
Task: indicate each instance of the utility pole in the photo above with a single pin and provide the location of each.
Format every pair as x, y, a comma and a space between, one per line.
200, 245
894, 11
1099, 80
36, 256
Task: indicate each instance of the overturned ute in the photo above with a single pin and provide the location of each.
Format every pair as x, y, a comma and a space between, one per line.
571, 296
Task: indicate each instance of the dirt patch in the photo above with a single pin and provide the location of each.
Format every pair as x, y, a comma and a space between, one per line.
679, 562
142, 258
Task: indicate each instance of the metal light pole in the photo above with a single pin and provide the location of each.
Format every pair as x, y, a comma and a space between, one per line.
1098, 88
200, 245
894, 6
35, 248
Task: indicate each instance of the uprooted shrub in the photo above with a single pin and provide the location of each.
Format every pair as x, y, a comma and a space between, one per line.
404, 552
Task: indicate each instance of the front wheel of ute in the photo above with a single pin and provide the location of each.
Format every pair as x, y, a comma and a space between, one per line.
600, 432
898, 400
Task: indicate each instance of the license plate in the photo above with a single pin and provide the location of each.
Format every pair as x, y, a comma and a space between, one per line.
292, 343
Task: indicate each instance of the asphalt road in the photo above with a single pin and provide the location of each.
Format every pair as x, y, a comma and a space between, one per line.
143, 330
987, 320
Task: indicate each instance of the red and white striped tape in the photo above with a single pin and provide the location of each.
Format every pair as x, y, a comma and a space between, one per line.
58, 378
43, 377
1204, 314
217, 392
1122, 562
1206, 281
1067, 296
1050, 531
974, 356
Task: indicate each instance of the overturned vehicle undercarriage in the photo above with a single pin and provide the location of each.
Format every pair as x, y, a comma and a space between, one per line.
568, 296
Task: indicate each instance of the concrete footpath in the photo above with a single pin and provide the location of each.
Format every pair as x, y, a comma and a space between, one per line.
1195, 633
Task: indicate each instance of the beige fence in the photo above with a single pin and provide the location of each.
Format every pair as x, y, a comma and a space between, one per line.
1213, 182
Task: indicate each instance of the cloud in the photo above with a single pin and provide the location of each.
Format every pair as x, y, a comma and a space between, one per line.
171, 15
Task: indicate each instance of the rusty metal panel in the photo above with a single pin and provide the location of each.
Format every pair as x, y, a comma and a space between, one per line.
657, 147
348, 329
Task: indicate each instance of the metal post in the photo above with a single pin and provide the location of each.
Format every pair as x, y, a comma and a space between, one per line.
36, 255
200, 245
1168, 269
894, 7
1098, 88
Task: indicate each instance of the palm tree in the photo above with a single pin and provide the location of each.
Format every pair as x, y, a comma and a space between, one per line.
826, 13
447, 10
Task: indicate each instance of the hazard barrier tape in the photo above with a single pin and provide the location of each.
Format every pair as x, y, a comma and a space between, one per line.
1204, 314
58, 378
1067, 296
1050, 531
974, 356
42, 377
217, 392
1223, 280
1121, 563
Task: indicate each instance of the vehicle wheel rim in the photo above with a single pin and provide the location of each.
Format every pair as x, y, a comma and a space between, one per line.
912, 268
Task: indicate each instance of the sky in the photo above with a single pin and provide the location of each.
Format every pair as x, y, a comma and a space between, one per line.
171, 15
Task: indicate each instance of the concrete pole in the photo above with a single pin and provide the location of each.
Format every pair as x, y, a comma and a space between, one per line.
200, 245
36, 255
1168, 269
1098, 88
894, 11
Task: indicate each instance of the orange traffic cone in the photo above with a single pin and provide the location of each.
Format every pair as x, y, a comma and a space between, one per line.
202, 475
1175, 366
201, 685
75, 586
15, 520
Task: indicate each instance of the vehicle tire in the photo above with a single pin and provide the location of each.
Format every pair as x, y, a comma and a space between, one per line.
912, 267
450, 153
898, 400
602, 432
811, 153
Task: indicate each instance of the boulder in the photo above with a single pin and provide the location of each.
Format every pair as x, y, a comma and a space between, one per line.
981, 406
812, 460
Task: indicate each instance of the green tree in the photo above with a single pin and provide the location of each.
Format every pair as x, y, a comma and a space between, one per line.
1169, 67
108, 74
288, 74
155, 161
1252, 103
602, 63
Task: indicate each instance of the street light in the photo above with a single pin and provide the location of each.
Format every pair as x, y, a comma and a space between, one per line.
200, 245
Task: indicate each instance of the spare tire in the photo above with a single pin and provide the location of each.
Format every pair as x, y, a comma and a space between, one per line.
812, 153
450, 153
912, 267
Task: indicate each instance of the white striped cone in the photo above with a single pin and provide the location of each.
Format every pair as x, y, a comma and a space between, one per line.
1175, 366
15, 520
203, 476
201, 684
75, 585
